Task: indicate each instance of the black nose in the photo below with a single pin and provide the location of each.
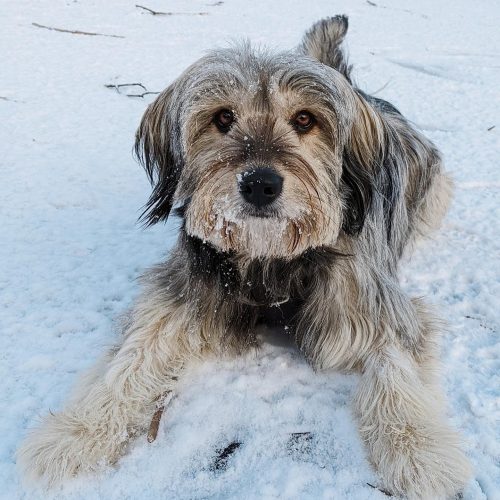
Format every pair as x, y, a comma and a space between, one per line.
260, 186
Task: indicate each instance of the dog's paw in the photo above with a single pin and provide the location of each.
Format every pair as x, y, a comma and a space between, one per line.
67, 444
422, 463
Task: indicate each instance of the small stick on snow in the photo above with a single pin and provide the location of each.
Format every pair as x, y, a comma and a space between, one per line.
385, 492
157, 13
149, 92
151, 11
155, 421
74, 32
3, 98
223, 454
381, 88
117, 87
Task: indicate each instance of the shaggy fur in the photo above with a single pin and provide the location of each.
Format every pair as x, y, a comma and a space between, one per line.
359, 186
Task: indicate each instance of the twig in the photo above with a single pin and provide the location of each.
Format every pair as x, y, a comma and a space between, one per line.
120, 85
490, 128
481, 324
385, 492
74, 32
155, 421
158, 13
151, 11
143, 94
373, 4
381, 88
117, 87
300, 443
3, 98
215, 4
223, 454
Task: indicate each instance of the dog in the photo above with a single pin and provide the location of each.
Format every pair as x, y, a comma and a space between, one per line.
298, 194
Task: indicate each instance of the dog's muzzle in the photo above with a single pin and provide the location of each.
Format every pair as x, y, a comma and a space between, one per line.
260, 186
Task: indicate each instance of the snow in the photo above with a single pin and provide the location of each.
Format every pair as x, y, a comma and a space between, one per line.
71, 249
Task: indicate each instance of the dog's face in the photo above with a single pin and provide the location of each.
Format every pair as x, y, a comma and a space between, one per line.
254, 147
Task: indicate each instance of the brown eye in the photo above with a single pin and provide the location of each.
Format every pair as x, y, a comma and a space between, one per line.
223, 120
303, 121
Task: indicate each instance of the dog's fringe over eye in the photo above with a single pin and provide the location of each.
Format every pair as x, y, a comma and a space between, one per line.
304, 121
223, 120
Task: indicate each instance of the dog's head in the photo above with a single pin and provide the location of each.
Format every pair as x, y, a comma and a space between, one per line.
266, 153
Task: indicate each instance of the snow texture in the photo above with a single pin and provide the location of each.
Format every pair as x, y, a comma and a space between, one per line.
71, 249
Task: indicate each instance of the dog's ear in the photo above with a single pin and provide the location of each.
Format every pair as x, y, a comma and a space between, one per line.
158, 148
323, 42
363, 157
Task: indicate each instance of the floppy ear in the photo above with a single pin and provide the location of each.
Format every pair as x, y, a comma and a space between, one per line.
158, 148
362, 159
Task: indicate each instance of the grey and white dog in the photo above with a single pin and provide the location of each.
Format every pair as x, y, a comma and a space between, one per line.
298, 194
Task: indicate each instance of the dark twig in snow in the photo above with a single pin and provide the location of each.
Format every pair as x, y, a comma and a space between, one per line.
381, 88
490, 128
481, 324
143, 94
385, 492
157, 13
3, 98
74, 32
223, 454
121, 85
151, 11
300, 443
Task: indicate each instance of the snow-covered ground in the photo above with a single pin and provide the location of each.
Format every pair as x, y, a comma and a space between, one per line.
70, 248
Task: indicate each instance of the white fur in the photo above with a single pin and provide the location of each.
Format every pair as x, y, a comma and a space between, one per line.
409, 442
354, 315
116, 399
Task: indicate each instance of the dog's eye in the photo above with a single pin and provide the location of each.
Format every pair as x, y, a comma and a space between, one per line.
223, 120
303, 121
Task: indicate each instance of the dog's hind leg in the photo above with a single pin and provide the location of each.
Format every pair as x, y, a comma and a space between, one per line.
117, 399
409, 442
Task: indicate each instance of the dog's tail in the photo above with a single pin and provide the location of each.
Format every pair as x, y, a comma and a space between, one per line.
323, 41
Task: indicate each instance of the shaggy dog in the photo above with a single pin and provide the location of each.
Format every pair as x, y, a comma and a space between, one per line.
298, 195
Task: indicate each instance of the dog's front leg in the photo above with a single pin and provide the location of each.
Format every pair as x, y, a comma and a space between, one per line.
117, 398
409, 442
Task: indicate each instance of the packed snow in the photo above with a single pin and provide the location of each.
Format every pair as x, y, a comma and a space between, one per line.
71, 249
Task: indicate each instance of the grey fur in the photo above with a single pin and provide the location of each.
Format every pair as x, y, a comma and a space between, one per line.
358, 189
323, 41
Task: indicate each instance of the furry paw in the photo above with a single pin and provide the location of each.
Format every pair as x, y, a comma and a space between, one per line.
67, 444
421, 462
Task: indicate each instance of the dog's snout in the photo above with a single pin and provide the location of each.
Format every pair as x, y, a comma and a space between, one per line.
260, 186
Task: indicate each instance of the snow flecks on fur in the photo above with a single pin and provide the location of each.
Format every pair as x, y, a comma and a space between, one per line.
71, 250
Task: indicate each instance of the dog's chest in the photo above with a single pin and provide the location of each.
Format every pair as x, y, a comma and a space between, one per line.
275, 309
284, 314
